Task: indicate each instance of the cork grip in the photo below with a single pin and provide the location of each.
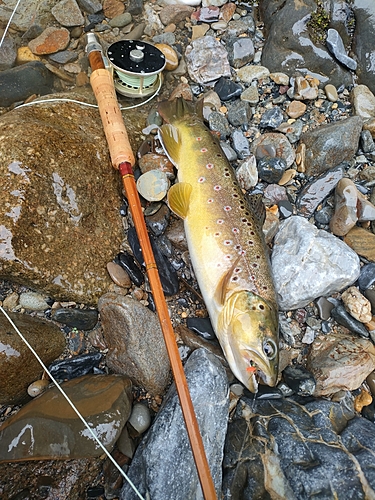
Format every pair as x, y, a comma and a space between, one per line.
113, 123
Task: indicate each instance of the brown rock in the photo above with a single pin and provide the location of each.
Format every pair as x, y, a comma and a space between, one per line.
119, 275
74, 477
296, 109
329, 145
227, 11
171, 59
364, 398
340, 362
18, 366
370, 125
362, 242
113, 8
50, 41
54, 430
59, 218
182, 90
175, 14
357, 305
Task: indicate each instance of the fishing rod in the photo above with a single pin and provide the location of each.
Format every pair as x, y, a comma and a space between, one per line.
123, 160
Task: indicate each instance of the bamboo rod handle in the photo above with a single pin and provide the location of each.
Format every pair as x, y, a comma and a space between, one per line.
113, 123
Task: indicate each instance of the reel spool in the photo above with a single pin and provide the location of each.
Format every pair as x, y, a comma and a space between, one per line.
136, 67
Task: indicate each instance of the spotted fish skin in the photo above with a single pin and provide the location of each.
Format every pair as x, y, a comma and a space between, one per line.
226, 245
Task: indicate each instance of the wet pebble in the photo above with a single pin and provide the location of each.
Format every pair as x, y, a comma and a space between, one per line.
118, 275
127, 262
367, 276
300, 380
140, 418
37, 387
332, 357
336, 47
315, 191
77, 366
279, 144
285, 209
250, 95
324, 308
218, 123
271, 169
340, 314
240, 51
292, 131
370, 295
296, 109
324, 215
362, 242
158, 221
367, 142
271, 118
240, 144
345, 215
247, 173
239, 113
201, 326
83, 319
331, 92
171, 58
228, 151
357, 305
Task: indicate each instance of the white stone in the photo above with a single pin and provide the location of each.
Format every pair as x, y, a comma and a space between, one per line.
247, 173
308, 263
249, 73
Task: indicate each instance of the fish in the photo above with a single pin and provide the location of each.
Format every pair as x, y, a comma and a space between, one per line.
226, 244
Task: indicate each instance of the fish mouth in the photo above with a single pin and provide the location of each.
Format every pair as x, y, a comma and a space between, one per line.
259, 368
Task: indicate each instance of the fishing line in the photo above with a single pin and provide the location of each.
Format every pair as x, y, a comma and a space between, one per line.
73, 406
10, 20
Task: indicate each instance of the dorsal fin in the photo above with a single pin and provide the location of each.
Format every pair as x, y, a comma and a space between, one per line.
179, 198
170, 138
258, 208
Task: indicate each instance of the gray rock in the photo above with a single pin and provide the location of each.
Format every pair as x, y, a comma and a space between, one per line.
290, 49
218, 123
336, 47
135, 342
33, 301
367, 142
63, 57
235, 28
240, 144
363, 41
329, 145
239, 113
284, 450
90, 6
121, 20
35, 13
167, 38
19, 83
67, 13
240, 51
314, 192
163, 465
8, 54
292, 131
207, 60
228, 151
271, 118
308, 263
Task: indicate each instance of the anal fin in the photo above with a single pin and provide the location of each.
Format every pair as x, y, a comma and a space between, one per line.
179, 198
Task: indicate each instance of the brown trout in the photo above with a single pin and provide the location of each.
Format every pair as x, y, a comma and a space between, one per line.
226, 245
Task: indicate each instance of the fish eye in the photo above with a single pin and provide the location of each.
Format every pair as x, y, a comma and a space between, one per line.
269, 349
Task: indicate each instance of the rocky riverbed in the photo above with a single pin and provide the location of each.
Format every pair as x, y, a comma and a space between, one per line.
288, 87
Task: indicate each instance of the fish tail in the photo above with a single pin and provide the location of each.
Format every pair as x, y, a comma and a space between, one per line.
172, 111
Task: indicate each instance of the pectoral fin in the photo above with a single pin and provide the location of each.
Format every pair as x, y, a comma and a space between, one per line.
224, 285
170, 138
179, 198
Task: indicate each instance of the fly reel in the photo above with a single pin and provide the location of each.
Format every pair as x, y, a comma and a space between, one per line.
136, 67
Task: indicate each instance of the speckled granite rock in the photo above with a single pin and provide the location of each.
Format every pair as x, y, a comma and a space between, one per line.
59, 219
